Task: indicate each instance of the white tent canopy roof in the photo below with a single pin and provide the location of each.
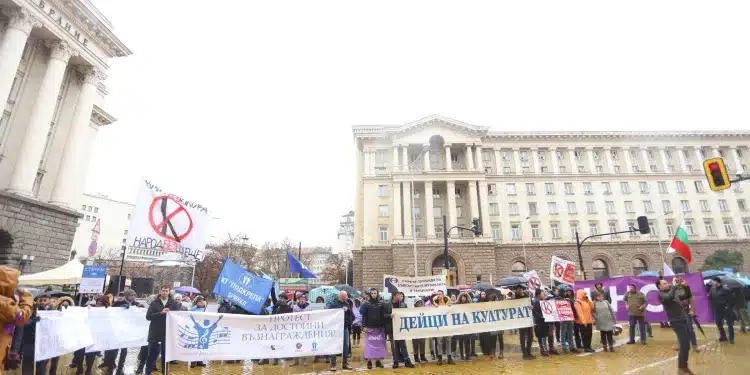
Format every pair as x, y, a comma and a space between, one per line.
68, 273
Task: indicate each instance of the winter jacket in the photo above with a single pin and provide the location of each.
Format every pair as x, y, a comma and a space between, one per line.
11, 312
672, 305
348, 307
536, 311
584, 308
720, 297
373, 313
604, 316
636, 303
157, 329
282, 308
604, 293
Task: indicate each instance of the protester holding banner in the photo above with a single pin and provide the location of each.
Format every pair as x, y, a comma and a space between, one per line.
554, 327
343, 302
157, 330
525, 334
356, 324
584, 309
541, 328
566, 327
442, 343
42, 302
418, 345
604, 319
486, 341
373, 319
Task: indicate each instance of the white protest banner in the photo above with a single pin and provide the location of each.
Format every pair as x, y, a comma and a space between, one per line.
534, 281
562, 271
414, 286
167, 222
61, 332
556, 310
117, 327
463, 319
200, 336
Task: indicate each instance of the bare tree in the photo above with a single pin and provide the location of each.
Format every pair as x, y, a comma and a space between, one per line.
335, 271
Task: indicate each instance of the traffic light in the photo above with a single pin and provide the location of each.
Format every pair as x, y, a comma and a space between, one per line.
643, 226
476, 226
716, 173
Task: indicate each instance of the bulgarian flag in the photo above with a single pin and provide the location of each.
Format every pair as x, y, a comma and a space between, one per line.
681, 243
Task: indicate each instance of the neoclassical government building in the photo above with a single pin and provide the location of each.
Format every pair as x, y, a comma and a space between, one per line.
54, 57
533, 191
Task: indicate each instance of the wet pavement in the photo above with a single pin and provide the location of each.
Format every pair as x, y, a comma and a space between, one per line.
657, 357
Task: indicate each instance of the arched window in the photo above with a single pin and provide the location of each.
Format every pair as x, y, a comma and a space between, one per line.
517, 268
438, 265
679, 265
639, 265
601, 271
439, 262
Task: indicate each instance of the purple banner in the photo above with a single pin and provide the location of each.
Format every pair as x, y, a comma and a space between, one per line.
375, 344
617, 287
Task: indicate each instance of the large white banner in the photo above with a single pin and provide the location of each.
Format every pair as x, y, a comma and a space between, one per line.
61, 332
201, 336
167, 222
414, 286
423, 322
117, 327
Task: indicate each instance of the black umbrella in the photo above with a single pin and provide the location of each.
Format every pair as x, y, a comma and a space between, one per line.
492, 292
511, 281
731, 282
482, 286
695, 319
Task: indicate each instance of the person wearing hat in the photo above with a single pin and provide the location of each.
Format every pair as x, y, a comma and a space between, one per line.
41, 302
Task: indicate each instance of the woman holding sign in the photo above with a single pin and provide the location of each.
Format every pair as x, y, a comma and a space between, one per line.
373, 319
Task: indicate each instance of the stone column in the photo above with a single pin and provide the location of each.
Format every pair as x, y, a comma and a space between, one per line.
628, 161
20, 23
485, 212
405, 157
479, 164
573, 162
592, 162
452, 218
429, 217
610, 160
737, 158
469, 159
715, 150
426, 158
395, 158
32, 144
408, 214
516, 161
535, 157
448, 163
359, 197
646, 160
681, 155
473, 199
664, 162
498, 162
553, 158
368, 163
698, 157
396, 213
72, 171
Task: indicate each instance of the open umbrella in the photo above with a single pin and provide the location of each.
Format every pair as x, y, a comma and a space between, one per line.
348, 289
328, 293
649, 273
712, 273
187, 289
512, 281
731, 282
482, 286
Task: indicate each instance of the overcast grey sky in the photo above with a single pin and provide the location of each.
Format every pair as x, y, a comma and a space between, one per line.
247, 106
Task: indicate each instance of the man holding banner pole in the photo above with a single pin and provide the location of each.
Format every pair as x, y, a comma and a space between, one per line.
157, 329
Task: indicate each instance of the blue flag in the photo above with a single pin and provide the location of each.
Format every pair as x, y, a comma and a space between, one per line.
296, 266
242, 288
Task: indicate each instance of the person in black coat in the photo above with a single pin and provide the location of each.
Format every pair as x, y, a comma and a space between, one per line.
29, 338
157, 329
373, 318
722, 306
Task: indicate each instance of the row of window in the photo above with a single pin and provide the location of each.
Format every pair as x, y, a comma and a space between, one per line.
568, 187
93, 209
555, 229
614, 154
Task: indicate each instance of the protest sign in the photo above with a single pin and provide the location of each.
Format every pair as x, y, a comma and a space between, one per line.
534, 281
61, 332
618, 287
201, 336
556, 310
414, 286
375, 344
562, 271
92, 279
117, 327
242, 288
463, 319
166, 222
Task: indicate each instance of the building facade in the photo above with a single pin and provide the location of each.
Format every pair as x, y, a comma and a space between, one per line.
113, 217
533, 191
53, 58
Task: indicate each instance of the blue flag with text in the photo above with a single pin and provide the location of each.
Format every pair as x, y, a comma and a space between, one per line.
296, 266
242, 288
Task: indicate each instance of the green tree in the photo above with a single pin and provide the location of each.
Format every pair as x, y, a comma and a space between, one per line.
722, 259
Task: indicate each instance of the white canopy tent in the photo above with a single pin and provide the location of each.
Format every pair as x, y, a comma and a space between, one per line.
68, 273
